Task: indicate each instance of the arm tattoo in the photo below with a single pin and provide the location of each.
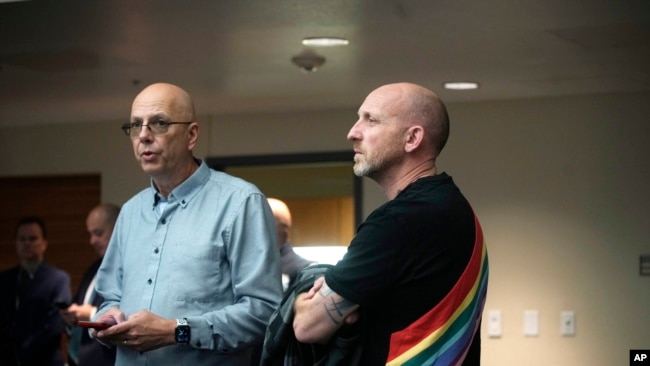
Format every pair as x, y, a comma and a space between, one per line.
335, 309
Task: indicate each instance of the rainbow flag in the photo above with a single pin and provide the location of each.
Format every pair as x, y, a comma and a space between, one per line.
443, 335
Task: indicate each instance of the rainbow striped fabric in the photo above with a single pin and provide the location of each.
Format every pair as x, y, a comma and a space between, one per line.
443, 335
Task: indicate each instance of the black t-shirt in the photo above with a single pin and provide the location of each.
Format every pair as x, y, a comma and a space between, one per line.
405, 258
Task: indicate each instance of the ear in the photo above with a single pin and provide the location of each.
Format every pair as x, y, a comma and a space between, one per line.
192, 135
414, 137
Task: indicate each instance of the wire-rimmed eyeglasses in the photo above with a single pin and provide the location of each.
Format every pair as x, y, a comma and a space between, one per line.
157, 127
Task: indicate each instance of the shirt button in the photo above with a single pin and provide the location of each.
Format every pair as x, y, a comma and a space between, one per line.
163, 221
156, 250
149, 281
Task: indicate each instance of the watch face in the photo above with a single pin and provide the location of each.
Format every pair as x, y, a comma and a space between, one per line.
182, 334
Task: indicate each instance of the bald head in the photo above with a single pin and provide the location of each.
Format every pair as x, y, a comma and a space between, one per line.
282, 219
108, 212
416, 105
168, 98
99, 223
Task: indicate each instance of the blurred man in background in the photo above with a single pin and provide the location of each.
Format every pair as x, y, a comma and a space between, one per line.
29, 297
292, 263
82, 350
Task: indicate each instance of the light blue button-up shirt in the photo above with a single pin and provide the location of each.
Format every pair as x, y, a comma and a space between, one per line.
210, 255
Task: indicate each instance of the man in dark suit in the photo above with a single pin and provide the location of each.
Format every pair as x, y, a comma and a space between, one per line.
83, 350
29, 293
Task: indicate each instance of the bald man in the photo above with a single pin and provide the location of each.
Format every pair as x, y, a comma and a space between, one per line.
416, 270
82, 350
292, 263
192, 273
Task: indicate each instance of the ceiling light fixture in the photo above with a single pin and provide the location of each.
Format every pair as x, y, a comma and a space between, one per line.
308, 61
325, 41
460, 85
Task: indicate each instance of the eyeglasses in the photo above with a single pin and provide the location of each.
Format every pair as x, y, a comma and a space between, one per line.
157, 127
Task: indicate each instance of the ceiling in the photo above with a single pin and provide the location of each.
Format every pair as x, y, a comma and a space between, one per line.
64, 60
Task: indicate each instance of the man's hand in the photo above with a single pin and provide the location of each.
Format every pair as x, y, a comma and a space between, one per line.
111, 316
142, 331
75, 312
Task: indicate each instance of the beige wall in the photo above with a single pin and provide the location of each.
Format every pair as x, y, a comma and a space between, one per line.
560, 186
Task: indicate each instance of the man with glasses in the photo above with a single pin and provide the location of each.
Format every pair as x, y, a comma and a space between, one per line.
192, 272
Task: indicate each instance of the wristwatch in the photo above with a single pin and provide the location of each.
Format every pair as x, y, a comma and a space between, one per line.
182, 333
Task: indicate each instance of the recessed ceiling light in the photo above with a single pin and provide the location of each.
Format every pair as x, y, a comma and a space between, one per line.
461, 85
325, 41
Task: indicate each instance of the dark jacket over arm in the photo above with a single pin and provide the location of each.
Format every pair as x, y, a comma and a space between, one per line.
281, 346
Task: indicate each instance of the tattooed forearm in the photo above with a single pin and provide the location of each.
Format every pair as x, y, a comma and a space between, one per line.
336, 309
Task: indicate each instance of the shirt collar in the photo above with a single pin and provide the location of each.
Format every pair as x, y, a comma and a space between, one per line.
185, 191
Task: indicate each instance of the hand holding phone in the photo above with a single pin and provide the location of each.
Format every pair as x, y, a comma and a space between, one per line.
94, 325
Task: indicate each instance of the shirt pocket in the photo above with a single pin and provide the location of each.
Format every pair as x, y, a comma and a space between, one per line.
198, 272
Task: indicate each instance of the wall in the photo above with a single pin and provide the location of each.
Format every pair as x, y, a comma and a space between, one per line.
92, 147
560, 187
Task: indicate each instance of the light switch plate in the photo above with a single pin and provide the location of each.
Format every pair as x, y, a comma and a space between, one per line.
568, 323
494, 323
531, 323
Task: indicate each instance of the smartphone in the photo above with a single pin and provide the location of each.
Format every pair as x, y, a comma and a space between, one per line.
95, 325
61, 304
